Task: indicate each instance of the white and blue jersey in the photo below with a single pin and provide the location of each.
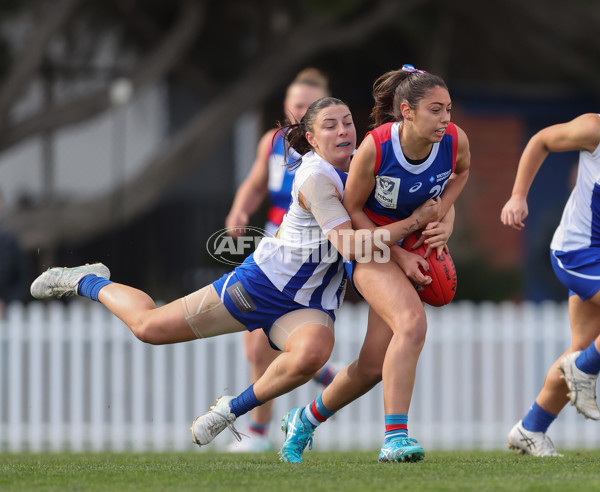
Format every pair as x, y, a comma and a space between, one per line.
279, 183
575, 246
299, 268
400, 186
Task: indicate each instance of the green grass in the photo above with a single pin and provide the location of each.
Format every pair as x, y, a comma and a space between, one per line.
336, 471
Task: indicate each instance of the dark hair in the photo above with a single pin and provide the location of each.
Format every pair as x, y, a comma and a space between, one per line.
295, 133
393, 88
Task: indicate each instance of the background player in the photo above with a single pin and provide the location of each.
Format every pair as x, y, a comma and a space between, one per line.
575, 257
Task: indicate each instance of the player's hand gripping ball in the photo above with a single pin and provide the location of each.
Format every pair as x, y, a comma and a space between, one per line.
442, 288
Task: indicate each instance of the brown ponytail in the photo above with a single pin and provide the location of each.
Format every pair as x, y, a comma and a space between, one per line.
393, 88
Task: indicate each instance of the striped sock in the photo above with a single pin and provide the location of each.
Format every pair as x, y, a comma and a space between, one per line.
260, 429
244, 402
537, 419
396, 425
315, 413
325, 375
90, 285
589, 360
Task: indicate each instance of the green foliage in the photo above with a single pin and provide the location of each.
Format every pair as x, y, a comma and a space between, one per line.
336, 471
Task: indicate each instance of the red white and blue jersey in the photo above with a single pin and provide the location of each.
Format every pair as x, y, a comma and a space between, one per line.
279, 183
400, 187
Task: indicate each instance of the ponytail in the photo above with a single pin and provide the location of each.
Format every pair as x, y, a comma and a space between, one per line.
391, 89
384, 90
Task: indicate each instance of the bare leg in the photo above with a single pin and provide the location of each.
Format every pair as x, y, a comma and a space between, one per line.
389, 292
364, 373
584, 318
306, 350
260, 355
151, 324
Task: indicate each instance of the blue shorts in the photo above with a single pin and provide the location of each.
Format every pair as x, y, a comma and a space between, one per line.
349, 266
578, 270
252, 299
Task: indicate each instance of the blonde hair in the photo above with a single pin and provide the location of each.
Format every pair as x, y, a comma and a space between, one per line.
312, 77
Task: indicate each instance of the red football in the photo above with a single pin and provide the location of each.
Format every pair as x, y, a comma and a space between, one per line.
442, 288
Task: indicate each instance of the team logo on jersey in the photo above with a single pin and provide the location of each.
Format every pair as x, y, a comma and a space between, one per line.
386, 191
231, 246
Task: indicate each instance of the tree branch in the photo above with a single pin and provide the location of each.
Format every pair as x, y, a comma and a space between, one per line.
70, 222
19, 78
155, 67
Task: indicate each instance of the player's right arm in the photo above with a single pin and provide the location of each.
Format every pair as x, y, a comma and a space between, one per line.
253, 190
581, 134
319, 195
359, 185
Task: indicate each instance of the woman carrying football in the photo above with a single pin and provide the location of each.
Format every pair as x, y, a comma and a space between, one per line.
413, 154
575, 257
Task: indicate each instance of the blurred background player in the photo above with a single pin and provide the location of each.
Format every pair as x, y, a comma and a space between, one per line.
575, 257
271, 176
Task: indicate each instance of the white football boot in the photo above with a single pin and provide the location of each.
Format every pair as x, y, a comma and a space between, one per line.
582, 386
528, 442
62, 281
208, 426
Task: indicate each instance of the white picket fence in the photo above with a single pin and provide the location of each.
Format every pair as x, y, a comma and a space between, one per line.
72, 377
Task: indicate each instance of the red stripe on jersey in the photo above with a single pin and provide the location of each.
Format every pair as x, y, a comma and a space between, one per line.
451, 130
380, 135
379, 220
315, 412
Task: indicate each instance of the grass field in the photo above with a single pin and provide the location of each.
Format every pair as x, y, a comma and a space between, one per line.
336, 471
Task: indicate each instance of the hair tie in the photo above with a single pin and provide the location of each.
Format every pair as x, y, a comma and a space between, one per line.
407, 67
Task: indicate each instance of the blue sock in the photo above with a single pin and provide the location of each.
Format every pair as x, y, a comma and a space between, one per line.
538, 419
244, 402
396, 425
589, 360
315, 413
90, 285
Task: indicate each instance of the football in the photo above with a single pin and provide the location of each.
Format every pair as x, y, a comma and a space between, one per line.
442, 288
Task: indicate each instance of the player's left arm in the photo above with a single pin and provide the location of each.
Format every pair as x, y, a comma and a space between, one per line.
459, 177
579, 134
